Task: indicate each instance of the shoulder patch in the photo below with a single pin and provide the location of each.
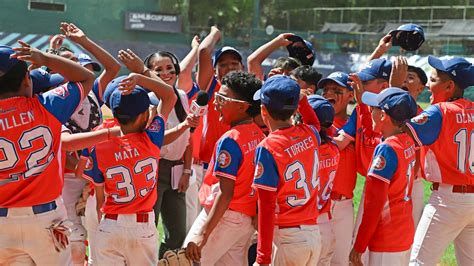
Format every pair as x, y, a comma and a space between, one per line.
154, 126
224, 159
420, 119
258, 170
89, 164
379, 163
61, 91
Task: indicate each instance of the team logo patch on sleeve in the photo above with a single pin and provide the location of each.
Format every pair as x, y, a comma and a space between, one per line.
89, 164
379, 163
61, 91
224, 159
155, 126
420, 119
258, 170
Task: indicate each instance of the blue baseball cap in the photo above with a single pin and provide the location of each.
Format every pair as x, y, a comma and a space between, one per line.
340, 78
279, 92
459, 69
301, 49
397, 103
376, 68
408, 36
323, 109
6, 63
85, 59
153, 99
130, 105
42, 80
111, 87
224, 50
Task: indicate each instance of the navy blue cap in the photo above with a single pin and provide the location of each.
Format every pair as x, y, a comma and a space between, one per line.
408, 36
111, 87
323, 109
85, 59
376, 68
224, 50
340, 78
6, 63
397, 103
130, 105
301, 49
42, 80
279, 92
459, 69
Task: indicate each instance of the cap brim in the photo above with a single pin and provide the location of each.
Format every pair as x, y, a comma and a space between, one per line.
370, 99
323, 82
257, 95
436, 63
153, 99
56, 80
95, 66
365, 76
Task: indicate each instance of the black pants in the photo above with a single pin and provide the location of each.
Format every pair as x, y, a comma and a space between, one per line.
172, 206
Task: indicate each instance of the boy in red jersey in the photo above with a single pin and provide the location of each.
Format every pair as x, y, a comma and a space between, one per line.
286, 177
125, 173
31, 164
387, 226
446, 128
221, 233
336, 89
328, 166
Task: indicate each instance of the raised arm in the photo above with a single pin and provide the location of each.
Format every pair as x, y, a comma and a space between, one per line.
255, 60
185, 79
205, 67
163, 91
110, 64
384, 45
79, 141
70, 70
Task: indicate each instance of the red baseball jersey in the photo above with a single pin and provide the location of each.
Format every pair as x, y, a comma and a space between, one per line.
359, 129
31, 164
328, 166
393, 163
287, 163
128, 167
233, 159
212, 129
447, 129
346, 175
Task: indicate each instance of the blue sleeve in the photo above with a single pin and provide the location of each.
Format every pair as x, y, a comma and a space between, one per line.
384, 163
350, 127
427, 125
212, 87
92, 171
316, 134
194, 90
62, 101
228, 158
266, 170
97, 92
156, 131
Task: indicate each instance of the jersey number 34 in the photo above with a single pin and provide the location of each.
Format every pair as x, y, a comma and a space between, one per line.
291, 172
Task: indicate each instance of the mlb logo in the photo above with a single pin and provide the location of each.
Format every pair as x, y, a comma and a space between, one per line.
61, 91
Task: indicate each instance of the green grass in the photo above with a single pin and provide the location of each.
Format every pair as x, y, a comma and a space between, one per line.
448, 258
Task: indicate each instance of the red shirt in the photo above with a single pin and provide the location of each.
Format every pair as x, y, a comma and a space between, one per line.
328, 165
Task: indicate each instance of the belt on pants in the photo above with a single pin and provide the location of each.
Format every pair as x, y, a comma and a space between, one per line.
456, 188
141, 217
37, 209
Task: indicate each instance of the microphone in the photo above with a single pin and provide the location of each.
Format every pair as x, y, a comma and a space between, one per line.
199, 106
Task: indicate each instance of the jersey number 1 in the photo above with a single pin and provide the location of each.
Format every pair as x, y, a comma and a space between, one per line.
465, 150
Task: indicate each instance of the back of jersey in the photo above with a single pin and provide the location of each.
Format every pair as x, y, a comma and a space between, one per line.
328, 166
128, 167
287, 162
30, 145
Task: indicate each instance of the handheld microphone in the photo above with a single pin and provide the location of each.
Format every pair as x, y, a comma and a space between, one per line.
199, 106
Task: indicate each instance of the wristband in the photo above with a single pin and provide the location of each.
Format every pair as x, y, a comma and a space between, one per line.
187, 171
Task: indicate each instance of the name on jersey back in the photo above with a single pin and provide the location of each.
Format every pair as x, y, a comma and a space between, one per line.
300, 147
127, 153
17, 120
463, 118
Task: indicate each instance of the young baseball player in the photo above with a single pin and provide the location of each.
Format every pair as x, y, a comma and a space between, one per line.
336, 89
286, 178
307, 77
328, 166
31, 165
446, 129
124, 170
221, 233
387, 226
